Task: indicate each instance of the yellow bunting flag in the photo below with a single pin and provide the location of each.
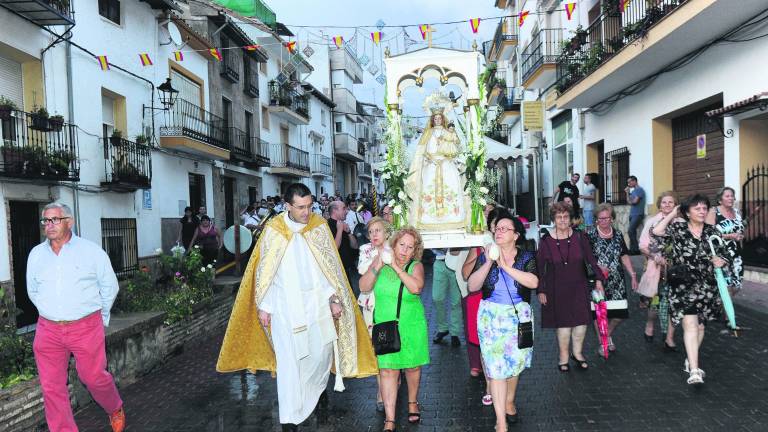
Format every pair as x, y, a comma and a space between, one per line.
623, 4
251, 47
178, 56
424, 28
338, 40
145, 60
103, 62
521, 18
216, 53
569, 7
291, 46
475, 24
376, 37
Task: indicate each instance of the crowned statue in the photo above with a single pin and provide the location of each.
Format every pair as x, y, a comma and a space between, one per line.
435, 183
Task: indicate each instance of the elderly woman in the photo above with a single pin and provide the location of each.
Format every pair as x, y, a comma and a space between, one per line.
653, 285
378, 232
505, 283
611, 252
727, 220
562, 262
405, 270
693, 295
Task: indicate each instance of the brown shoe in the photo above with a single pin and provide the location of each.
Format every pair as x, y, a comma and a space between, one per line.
117, 420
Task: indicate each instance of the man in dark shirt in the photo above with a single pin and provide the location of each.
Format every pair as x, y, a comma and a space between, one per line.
345, 240
569, 189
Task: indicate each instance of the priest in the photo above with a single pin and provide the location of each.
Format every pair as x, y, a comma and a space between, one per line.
295, 314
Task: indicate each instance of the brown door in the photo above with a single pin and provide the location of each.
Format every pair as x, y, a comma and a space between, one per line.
690, 173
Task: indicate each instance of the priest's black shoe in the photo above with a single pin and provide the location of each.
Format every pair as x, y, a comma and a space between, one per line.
290, 427
455, 341
439, 337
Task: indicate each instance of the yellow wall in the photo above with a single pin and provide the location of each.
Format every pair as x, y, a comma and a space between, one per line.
662, 159
593, 158
34, 93
753, 146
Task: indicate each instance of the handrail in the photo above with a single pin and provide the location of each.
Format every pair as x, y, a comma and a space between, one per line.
188, 119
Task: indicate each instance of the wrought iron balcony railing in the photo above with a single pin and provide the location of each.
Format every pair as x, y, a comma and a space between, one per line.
361, 147
364, 169
321, 165
507, 100
289, 98
287, 156
239, 143
37, 147
544, 48
229, 67
587, 50
260, 151
127, 163
189, 120
499, 132
43, 12
505, 31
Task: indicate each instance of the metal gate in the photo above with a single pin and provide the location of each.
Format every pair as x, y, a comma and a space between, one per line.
25, 234
754, 194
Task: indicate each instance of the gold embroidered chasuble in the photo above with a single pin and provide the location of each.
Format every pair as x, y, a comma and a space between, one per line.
247, 345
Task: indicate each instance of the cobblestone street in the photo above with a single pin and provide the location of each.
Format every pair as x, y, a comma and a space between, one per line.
640, 388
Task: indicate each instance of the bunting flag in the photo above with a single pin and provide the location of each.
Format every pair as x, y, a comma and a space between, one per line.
475, 24
216, 54
423, 29
569, 7
338, 40
103, 62
291, 46
251, 47
521, 18
376, 37
178, 56
623, 4
145, 60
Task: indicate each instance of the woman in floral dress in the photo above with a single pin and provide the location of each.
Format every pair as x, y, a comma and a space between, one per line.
727, 220
693, 294
611, 252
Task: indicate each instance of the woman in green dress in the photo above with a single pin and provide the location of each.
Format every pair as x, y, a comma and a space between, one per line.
404, 268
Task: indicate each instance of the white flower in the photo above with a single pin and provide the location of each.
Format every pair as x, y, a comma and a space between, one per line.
494, 252
159, 250
481, 201
197, 247
391, 203
483, 189
385, 176
401, 195
397, 210
210, 266
202, 269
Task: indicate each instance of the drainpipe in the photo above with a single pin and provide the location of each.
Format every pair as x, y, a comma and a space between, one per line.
71, 109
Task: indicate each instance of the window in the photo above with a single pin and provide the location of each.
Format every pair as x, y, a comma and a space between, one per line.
338, 127
226, 112
562, 130
118, 238
263, 67
107, 115
248, 124
196, 191
110, 9
616, 174
253, 195
265, 118
189, 90
323, 113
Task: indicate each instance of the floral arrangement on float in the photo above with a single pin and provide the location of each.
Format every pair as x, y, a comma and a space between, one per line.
394, 173
477, 185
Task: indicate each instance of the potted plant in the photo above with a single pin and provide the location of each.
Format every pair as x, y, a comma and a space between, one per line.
616, 43
6, 106
13, 159
35, 161
56, 122
142, 139
581, 35
117, 137
59, 163
611, 7
39, 118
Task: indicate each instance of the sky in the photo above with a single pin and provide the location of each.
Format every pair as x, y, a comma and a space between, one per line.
320, 13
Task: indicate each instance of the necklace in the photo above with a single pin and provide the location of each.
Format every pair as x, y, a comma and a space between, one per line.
564, 259
604, 234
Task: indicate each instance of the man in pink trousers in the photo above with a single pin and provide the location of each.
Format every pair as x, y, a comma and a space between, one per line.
71, 282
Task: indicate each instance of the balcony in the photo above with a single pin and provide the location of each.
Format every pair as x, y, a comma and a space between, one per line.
38, 148
321, 166
509, 103
608, 57
539, 58
364, 170
496, 83
346, 147
128, 165
346, 59
288, 104
228, 67
252, 151
191, 129
504, 41
500, 133
251, 78
289, 161
361, 146
346, 103
43, 12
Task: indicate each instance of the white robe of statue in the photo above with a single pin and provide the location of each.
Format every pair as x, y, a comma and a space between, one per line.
435, 184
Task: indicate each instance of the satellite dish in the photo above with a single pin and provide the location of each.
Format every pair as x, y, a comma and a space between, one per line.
246, 238
175, 34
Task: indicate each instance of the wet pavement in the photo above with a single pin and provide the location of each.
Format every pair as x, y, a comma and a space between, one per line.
640, 388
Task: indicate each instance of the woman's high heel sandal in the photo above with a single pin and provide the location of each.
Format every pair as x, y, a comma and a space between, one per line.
414, 417
392, 429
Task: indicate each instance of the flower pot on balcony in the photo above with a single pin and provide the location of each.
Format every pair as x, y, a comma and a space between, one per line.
56, 123
5, 112
13, 160
40, 123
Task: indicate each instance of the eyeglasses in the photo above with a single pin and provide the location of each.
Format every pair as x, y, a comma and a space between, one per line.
502, 230
53, 220
375, 231
387, 213
604, 218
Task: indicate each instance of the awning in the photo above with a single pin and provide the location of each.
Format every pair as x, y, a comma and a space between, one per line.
495, 151
758, 101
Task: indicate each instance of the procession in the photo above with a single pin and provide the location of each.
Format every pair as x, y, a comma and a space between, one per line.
520, 215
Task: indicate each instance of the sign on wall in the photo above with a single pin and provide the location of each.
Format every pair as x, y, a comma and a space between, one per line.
146, 202
533, 116
701, 146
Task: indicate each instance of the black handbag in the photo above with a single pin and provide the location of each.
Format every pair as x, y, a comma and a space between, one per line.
386, 335
360, 232
677, 275
524, 330
588, 269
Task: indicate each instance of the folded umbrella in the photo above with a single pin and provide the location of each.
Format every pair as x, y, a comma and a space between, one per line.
601, 317
722, 285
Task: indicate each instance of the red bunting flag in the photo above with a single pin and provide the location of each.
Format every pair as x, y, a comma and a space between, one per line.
216, 53
376, 37
339, 41
103, 62
569, 7
521, 18
623, 4
145, 60
424, 28
291, 46
178, 56
475, 24
251, 47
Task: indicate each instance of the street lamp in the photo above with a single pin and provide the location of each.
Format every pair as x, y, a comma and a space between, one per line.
168, 94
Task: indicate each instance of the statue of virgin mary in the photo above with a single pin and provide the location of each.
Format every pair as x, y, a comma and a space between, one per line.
435, 183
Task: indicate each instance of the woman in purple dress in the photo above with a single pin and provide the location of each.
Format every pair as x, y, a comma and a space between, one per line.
562, 262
